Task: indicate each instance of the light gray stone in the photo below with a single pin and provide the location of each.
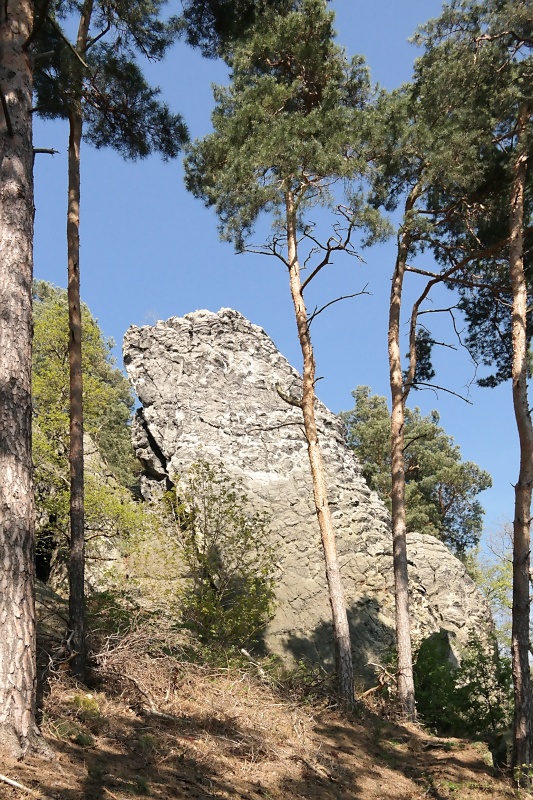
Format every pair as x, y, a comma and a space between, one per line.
206, 383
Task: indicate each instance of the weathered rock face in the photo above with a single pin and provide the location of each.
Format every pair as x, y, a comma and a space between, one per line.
207, 387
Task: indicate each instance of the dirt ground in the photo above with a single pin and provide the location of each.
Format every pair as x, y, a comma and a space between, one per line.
191, 732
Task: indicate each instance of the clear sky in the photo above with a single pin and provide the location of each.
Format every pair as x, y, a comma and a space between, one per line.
150, 251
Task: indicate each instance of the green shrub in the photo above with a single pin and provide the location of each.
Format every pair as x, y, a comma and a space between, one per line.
230, 594
468, 699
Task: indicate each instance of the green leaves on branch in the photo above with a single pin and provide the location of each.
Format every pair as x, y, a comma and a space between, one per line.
441, 489
108, 400
230, 563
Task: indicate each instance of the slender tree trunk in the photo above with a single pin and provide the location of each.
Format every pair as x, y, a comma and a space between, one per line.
406, 687
17, 611
77, 509
522, 749
341, 630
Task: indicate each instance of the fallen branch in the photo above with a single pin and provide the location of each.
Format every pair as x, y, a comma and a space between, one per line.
384, 681
317, 769
21, 786
259, 668
114, 796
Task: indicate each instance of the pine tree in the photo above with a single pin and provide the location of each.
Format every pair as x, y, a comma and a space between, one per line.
478, 70
441, 490
215, 25
286, 133
17, 610
411, 170
96, 83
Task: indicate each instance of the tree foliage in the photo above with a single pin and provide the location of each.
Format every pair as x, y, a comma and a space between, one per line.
228, 556
441, 489
108, 396
472, 698
108, 403
215, 25
290, 120
478, 66
120, 109
286, 137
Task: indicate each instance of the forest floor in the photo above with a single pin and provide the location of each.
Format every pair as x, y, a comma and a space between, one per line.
154, 727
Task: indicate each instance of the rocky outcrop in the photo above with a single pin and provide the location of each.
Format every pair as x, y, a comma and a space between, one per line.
207, 384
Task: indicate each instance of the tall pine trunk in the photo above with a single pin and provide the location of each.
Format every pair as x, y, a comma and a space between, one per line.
17, 610
77, 510
522, 751
77, 506
406, 687
341, 630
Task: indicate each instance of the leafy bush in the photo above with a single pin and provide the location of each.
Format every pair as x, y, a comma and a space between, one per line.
108, 403
469, 699
229, 560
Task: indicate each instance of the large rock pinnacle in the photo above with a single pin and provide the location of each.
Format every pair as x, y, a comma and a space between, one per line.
207, 384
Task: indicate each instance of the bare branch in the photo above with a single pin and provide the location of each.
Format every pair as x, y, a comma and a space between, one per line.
415, 439
69, 44
436, 388
436, 311
98, 37
318, 311
271, 248
288, 398
494, 37
470, 284
334, 244
17, 785
41, 57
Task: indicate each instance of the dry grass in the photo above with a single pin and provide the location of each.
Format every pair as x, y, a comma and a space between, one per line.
158, 725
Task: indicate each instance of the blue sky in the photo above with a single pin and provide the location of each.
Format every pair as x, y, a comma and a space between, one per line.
150, 251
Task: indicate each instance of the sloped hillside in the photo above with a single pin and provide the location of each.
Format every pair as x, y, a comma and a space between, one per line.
153, 724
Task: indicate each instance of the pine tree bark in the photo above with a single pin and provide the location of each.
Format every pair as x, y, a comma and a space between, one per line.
17, 612
406, 687
341, 630
522, 743
76, 456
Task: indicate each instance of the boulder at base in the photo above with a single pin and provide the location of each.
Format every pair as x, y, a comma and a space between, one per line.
207, 384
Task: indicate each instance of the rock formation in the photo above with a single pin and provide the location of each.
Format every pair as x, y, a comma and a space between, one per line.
207, 387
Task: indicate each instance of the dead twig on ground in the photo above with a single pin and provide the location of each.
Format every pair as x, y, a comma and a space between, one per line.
17, 785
